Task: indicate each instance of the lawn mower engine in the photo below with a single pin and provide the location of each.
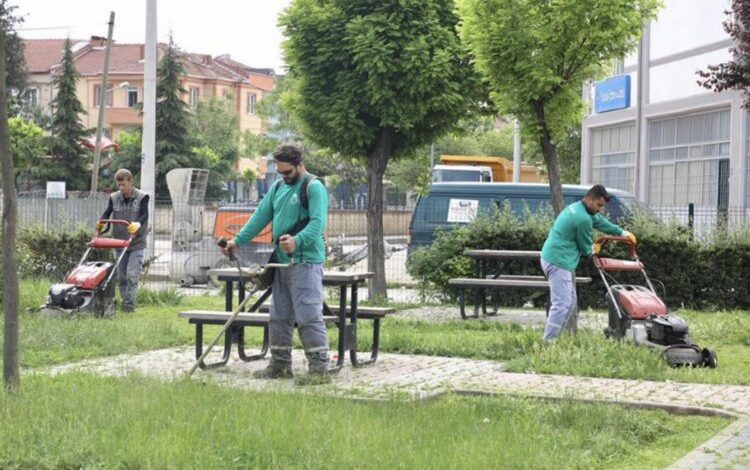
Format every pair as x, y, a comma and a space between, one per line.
638, 314
85, 290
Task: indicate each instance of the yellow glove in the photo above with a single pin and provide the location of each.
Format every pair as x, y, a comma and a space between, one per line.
133, 227
597, 248
100, 226
631, 237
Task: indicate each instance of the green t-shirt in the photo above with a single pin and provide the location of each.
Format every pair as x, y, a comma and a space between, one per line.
571, 236
282, 207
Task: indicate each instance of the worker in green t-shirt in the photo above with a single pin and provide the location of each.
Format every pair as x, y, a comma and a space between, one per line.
568, 240
297, 290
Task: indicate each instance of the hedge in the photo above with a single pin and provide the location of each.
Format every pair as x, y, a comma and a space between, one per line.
712, 273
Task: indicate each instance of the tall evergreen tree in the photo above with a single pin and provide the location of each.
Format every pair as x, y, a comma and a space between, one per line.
15, 62
173, 142
69, 159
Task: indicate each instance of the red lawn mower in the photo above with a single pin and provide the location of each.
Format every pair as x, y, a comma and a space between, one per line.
88, 288
637, 313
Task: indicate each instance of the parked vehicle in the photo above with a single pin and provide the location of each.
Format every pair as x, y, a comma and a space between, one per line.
449, 204
481, 168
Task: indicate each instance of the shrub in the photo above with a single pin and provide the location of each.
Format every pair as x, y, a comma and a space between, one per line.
704, 274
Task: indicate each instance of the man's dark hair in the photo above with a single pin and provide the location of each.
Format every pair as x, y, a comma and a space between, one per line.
288, 154
598, 191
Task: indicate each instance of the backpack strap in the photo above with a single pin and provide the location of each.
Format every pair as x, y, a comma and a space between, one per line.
304, 190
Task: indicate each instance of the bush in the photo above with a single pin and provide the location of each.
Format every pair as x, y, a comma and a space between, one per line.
52, 254
705, 274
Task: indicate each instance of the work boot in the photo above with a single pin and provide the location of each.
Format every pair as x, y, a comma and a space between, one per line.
313, 378
128, 308
274, 371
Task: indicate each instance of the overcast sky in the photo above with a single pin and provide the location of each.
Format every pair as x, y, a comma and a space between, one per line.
245, 29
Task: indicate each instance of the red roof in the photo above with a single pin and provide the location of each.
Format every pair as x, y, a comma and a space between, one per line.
43, 54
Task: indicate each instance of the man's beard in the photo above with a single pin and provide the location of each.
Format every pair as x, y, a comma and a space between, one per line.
290, 180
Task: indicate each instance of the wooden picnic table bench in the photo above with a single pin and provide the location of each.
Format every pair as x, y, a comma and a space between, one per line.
485, 281
344, 316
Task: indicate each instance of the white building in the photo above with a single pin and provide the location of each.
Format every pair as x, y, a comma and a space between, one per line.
692, 144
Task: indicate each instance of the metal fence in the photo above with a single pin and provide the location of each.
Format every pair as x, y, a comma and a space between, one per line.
184, 235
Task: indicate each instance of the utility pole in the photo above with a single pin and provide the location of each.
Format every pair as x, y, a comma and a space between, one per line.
148, 142
102, 100
516, 151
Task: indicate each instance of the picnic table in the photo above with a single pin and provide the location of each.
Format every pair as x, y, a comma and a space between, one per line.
344, 316
490, 266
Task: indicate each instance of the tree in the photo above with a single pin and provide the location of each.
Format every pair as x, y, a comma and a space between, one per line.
376, 79
68, 162
26, 145
216, 122
536, 54
174, 144
15, 61
11, 370
735, 74
128, 157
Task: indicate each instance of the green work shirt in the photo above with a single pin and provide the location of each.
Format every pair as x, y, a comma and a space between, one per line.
282, 207
571, 236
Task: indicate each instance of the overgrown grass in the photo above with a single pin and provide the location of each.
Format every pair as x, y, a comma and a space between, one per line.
80, 421
46, 341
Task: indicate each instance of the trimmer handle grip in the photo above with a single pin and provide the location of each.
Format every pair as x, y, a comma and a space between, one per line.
222, 242
601, 241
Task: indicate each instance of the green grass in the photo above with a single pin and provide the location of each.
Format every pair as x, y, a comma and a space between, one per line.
81, 421
46, 341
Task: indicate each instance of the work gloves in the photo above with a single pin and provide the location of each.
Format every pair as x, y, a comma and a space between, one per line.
100, 226
133, 227
630, 237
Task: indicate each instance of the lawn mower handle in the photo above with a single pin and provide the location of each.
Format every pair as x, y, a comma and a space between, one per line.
601, 241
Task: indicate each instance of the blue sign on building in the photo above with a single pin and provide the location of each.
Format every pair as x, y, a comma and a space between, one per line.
611, 94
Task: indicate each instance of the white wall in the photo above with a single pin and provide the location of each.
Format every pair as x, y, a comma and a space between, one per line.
679, 79
686, 24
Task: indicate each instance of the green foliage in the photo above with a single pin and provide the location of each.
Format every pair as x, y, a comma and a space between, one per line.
174, 141
536, 55
69, 160
216, 122
687, 273
249, 175
128, 157
115, 429
15, 61
52, 254
26, 143
410, 174
365, 67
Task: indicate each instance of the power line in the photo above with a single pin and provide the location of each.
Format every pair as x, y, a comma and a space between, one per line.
59, 27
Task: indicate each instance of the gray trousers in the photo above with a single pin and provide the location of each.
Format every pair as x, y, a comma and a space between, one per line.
563, 299
298, 297
128, 275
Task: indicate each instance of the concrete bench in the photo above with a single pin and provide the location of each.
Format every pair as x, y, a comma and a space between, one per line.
481, 285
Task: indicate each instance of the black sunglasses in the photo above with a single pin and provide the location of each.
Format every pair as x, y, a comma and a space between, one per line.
287, 172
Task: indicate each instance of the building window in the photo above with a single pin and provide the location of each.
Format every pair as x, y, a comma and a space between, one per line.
107, 98
685, 154
613, 156
31, 97
195, 93
250, 106
132, 97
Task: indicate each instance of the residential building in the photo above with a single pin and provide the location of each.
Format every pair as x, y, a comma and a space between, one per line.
205, 78
654, 131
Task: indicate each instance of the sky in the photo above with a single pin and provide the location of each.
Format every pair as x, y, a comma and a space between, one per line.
245, 29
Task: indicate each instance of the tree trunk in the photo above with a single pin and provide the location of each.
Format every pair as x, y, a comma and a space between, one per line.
550, 158
377, 159
11, 375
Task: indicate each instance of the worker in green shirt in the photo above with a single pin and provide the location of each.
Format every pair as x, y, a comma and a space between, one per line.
568, 240
297, 203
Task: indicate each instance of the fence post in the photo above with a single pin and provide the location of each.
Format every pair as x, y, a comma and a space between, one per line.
691, 219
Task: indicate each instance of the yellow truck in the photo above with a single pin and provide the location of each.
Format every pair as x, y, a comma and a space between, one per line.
482, 169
